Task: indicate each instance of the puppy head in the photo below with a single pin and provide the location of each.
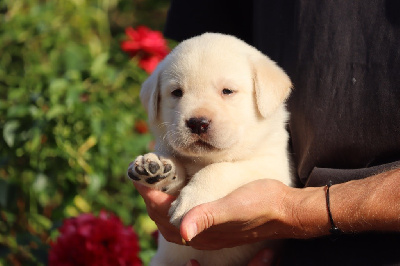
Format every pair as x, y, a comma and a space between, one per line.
211, 90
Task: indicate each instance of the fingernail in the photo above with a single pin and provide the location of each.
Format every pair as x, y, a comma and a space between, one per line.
191, 231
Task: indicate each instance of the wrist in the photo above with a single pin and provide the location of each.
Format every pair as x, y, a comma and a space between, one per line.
306, 213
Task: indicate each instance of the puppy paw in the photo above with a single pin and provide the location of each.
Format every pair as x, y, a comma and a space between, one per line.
177, 210
188, 198
154, 171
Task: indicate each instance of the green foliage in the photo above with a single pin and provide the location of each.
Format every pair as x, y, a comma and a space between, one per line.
68, 108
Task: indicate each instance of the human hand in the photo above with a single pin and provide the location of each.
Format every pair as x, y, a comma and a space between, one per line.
262, 209
251, 213
238, 218
158, 204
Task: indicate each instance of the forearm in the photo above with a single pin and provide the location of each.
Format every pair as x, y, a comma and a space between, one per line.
370, 204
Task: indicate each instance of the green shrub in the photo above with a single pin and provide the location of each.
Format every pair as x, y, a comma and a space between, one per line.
68, 109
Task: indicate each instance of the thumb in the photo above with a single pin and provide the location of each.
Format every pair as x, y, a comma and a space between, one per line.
201, 218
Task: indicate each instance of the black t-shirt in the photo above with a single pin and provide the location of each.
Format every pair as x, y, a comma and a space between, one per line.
343, 57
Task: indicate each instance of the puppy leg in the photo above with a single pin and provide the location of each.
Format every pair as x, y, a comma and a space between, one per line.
155, 171
218, 180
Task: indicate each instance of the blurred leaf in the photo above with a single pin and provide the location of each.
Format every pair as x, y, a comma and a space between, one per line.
55, 111
40, 220
69, 102
40, 183
76, 57
71, 211
89, 143
99, 65
10, 131
82, 204
96, 181
18, 111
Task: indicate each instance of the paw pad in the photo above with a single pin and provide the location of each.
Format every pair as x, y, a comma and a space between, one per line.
153, 170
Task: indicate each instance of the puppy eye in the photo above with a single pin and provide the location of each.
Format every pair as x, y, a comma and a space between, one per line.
227, 91
178, 93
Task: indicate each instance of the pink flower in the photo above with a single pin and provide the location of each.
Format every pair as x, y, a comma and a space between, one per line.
90, 240
148, 45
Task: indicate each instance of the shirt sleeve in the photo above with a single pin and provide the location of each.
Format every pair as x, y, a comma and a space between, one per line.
187, 19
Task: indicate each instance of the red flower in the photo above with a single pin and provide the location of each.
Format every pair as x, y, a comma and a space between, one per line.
141, 127
148, 45
90, 240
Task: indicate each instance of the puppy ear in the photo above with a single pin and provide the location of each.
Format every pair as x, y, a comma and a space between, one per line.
150, 94
272, 85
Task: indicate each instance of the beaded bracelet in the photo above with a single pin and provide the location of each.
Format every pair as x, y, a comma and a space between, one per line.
334, 230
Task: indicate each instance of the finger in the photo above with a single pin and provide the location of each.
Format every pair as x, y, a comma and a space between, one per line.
203, 217
263, 258
240, 204
155, 198
170, 233
158, 204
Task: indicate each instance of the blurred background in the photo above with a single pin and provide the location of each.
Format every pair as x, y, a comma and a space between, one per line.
70, 119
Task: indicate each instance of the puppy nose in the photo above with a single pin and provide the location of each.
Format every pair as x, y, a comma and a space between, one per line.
198, 125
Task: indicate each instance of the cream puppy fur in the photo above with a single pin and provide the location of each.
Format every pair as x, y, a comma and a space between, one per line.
216, 108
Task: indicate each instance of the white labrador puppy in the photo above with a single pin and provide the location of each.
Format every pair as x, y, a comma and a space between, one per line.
216, 108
